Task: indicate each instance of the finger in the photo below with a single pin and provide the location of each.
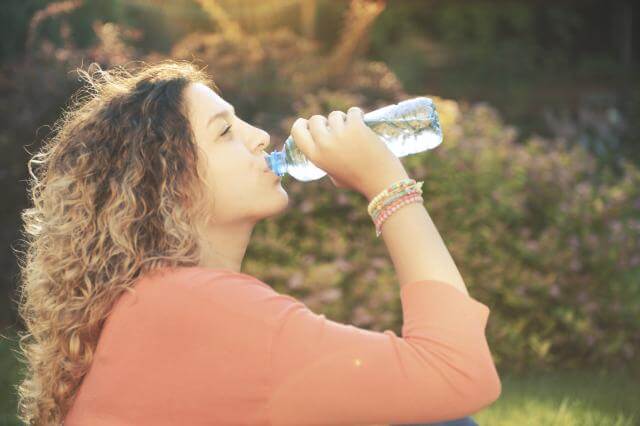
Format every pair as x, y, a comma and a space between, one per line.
355, 115
318, 128
337, 121
302, 138
336, 183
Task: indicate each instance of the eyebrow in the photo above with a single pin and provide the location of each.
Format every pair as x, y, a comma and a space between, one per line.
219, 114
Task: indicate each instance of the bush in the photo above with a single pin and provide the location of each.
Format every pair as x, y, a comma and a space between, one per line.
541, 234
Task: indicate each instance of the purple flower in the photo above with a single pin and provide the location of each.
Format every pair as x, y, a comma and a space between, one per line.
591, 307
575, 265
583, 297
306, 206
331, 295
343, 265
342, 199
628, 350
296, 280
574, 242
379, 262
616, 226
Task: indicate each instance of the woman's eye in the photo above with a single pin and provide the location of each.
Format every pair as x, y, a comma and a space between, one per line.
226, 130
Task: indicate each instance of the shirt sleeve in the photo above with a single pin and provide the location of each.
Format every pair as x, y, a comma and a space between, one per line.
328, 373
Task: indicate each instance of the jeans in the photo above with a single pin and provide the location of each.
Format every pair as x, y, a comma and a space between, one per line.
465, 421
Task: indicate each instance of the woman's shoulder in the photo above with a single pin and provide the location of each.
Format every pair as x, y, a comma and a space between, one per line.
195, 278
193, 288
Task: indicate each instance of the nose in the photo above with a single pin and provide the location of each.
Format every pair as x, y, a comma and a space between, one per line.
264, 138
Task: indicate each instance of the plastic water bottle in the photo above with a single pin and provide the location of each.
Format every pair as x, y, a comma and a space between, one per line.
407, 127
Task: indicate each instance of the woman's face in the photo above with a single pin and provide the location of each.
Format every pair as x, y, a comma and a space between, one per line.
242, 186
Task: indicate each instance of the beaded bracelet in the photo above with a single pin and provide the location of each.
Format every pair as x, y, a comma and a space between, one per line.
393, 208
397, 188
390, 206
393, 202
392, 198
399, 185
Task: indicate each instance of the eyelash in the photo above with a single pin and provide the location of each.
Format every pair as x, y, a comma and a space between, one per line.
226, 130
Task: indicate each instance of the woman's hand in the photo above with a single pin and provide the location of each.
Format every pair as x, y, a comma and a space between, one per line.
348, 150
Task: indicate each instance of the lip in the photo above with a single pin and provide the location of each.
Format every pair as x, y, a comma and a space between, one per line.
276, 177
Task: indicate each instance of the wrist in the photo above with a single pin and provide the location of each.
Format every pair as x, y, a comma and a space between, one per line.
383, 181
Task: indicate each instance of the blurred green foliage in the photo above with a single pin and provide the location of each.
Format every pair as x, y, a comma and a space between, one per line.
551, 69
544, 232
540, 234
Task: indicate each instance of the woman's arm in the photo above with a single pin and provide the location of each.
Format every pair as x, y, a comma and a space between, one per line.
414, 244
329, 373
325, 372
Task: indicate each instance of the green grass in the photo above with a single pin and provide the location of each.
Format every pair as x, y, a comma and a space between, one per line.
578, 398
8, 378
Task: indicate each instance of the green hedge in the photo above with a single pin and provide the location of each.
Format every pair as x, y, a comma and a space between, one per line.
540, 235
540, 232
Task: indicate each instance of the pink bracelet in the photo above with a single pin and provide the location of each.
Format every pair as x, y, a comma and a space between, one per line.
393, 198
389, 210
395, 205
392, 208
386, 210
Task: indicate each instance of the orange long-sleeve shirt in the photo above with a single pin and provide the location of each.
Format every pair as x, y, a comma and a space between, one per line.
202, 346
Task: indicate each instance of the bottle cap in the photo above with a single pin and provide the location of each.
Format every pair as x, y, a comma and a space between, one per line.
276, 162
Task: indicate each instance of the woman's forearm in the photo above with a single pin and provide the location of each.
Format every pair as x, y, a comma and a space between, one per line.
415, 245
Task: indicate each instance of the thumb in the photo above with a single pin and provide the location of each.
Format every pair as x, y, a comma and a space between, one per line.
337, 183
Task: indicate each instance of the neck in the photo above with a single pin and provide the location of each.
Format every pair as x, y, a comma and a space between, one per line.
224, 245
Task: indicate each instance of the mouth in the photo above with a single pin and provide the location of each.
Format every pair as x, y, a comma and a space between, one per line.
276, 177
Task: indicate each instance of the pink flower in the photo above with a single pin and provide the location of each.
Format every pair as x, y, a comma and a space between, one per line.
342, 199
370, 275
582, 297
575, 265
343, 265
296, 280
331, 294
628, 350
361, 316
306, 206
379, 262
616, 226
532, 244
591, 307
574, 242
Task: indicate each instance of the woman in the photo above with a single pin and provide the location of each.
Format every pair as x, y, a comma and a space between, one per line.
135, 307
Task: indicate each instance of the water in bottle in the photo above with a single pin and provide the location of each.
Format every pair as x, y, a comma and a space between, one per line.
407, 127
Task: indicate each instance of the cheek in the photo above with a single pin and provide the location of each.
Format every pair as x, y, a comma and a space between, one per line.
234, 174
234, 184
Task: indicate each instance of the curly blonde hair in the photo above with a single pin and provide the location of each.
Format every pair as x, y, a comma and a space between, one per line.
117, 194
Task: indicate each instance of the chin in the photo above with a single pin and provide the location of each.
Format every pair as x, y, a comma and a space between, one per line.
282, 203
284, 197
